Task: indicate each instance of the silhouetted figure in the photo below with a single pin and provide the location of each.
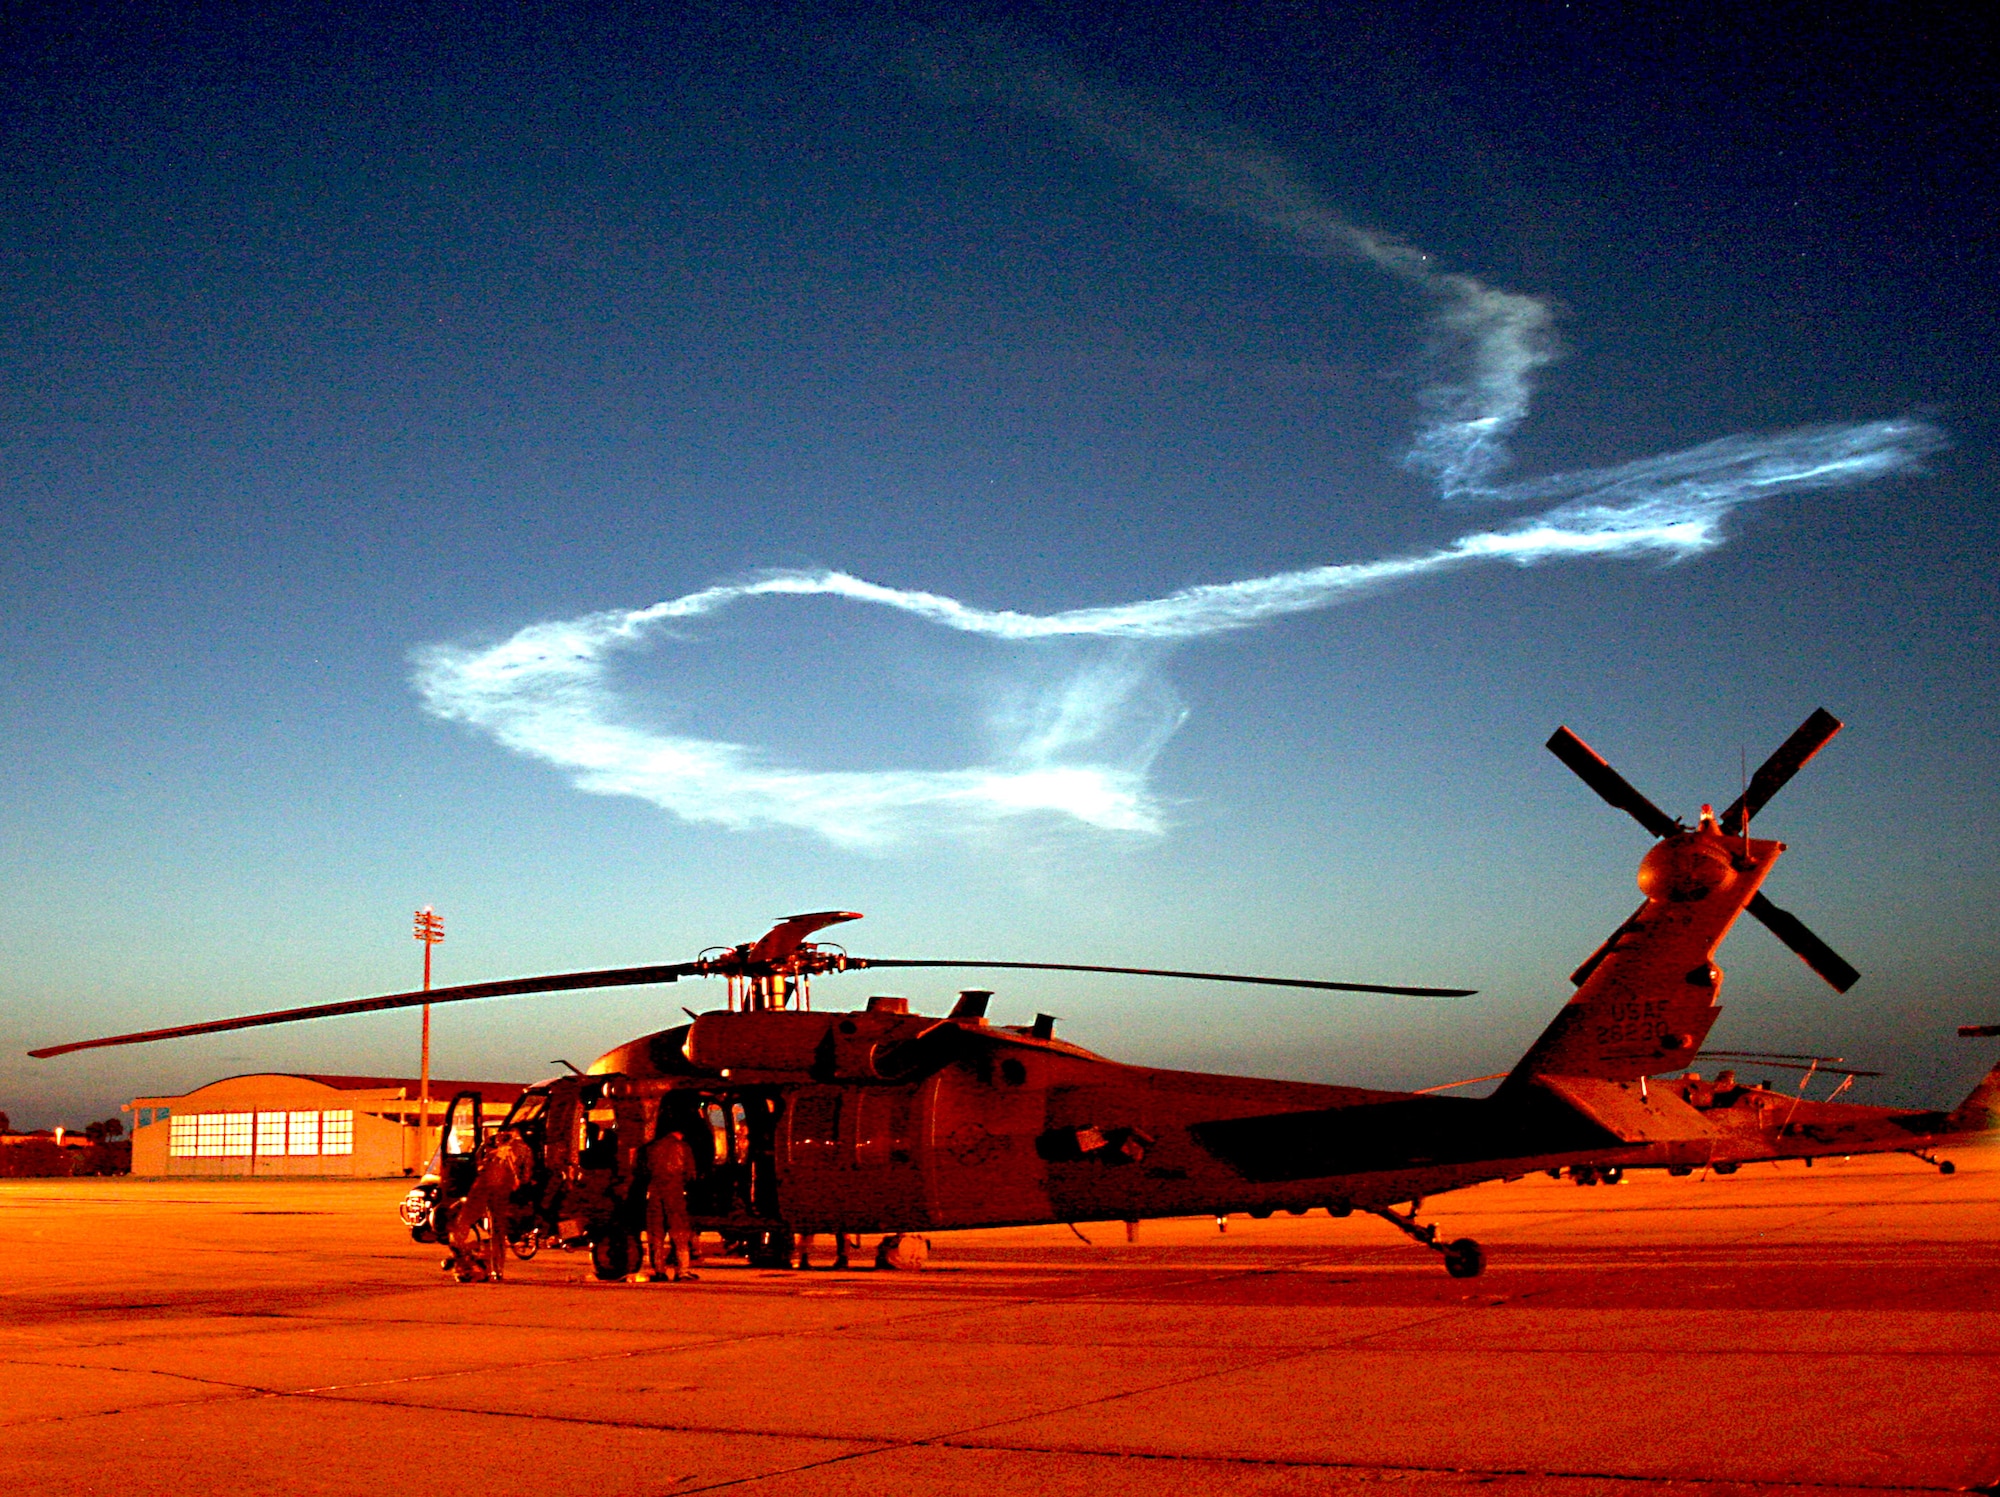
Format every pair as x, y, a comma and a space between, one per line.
502, 1171
669, 1167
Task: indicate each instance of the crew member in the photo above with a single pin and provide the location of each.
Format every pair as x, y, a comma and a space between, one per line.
504, 1169
669, 1167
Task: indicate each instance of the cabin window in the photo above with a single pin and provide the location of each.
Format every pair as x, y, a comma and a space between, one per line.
718, 1127
882, 1128
815, 1127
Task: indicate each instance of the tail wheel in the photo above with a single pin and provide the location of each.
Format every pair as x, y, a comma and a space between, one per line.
1465, 1259
526, 1245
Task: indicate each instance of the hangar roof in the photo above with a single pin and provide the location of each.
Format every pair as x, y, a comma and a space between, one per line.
442, 1088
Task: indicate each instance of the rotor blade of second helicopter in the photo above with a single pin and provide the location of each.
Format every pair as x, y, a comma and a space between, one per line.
558, 982
1268, 982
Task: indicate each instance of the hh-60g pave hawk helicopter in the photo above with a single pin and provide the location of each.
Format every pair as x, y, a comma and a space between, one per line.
880, 1120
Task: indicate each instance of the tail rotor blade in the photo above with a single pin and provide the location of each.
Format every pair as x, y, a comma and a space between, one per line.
1809, 948
1809, 738
1587, 766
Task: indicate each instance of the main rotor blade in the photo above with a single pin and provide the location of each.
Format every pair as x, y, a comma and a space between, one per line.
1269, 982
1807, 739
1589, 767
614, 977
1811, 950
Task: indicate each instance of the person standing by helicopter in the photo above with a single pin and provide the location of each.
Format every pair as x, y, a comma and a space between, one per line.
669, 1167
504, 1169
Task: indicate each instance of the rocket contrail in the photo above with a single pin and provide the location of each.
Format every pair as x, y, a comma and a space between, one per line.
1084, 749
544, 692
1503, 336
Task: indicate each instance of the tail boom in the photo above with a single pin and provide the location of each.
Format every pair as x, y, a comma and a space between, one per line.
1646, 999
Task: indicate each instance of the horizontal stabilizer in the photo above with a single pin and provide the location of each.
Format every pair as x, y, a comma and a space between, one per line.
1630, 1111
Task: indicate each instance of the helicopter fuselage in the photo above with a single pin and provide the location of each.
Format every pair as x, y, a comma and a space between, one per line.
881, 1121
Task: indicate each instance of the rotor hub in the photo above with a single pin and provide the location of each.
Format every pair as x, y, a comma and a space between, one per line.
1687, 867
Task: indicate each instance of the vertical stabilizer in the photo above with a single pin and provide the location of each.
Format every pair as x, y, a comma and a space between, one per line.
1647, 998
1980, 1111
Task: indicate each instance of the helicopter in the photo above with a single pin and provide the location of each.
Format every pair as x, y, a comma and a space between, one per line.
810, 1121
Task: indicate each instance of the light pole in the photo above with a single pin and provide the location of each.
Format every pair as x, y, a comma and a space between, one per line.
430, 930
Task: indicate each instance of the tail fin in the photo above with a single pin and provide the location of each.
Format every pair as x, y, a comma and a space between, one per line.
1980, 1111
1646, 1000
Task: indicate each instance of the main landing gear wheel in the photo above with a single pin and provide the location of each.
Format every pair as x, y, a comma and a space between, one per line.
1465, 1259
772, 1248
611, 1255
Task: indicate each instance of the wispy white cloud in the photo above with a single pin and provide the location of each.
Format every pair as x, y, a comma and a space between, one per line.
1083, 748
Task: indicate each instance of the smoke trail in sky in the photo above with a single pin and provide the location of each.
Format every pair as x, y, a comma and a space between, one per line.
545, 692
1501, 336
1082, 749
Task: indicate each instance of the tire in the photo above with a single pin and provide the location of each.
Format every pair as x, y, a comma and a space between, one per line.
1946, 1167
772, 1249
611, 1255
1465, 1259
1611, 1174
1727, 1167
526, 1247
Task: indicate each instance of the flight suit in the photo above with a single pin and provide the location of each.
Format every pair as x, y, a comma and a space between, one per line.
669, 1167
507, 1165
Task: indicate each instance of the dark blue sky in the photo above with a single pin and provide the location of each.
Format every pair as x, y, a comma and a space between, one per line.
339, 343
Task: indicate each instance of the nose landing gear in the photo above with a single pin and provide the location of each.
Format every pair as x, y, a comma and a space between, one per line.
1463, 1259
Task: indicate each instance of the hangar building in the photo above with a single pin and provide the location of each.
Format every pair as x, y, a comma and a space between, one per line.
275, 1124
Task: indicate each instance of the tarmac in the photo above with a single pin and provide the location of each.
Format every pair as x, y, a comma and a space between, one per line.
1784, 1329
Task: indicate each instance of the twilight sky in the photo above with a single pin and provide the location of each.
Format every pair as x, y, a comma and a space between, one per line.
1087, 483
